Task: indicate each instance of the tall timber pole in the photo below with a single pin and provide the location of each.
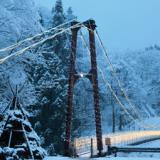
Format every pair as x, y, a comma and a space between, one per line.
94, 80
72, 80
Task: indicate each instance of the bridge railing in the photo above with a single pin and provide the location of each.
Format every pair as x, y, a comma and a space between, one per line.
83, 145
132, 137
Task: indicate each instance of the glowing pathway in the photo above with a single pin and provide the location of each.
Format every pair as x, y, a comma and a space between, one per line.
83, 144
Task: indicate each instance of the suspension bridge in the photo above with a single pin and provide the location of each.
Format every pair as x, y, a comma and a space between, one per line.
101, 144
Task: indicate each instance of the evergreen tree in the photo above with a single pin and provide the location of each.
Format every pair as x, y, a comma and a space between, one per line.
58, 14
48, 78
48, 73
60, 44
70, 16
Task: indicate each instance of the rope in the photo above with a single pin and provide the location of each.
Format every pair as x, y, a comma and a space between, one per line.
112, 91
33, 37
2, 60
114, 73
140, 123
85, 43
119, 83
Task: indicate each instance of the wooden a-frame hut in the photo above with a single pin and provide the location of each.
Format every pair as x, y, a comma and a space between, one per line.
18, 140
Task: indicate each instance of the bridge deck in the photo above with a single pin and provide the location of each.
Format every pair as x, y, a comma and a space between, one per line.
83, 145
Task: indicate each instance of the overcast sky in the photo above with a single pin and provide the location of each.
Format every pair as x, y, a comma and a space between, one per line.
123, 24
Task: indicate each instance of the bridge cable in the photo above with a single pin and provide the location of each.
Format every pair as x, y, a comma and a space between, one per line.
2, 60
112, 91
116, 77
122, 106
35, 36
86, 45
102, 73
115, 74
133, 107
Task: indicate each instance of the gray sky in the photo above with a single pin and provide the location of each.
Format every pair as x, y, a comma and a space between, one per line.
123, 24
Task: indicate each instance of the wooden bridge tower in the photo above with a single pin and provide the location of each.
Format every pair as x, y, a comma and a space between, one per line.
92, 76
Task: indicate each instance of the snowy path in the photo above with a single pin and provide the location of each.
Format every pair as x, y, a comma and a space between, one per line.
124, 156
121, 139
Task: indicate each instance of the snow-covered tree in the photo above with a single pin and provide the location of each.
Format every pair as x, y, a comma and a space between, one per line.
59, 16
70, 16
48, 74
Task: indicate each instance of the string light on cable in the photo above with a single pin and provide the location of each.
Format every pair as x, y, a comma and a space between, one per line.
33, 37
139, 122
2, 60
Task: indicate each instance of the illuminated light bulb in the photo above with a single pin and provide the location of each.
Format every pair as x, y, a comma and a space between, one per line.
81, 75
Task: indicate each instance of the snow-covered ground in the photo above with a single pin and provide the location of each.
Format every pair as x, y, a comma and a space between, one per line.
123, 156
109, 158
140, 80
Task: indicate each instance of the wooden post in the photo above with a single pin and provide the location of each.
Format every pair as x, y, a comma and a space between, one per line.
72, 80
108, 144
113, 118
91, 147
113, 113
94, 80
120, 122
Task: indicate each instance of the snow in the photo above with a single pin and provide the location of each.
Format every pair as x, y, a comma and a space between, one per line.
152, 121
46, 16
17, 23
17, 20
140, 80
152, 144
57, 158
106, 158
